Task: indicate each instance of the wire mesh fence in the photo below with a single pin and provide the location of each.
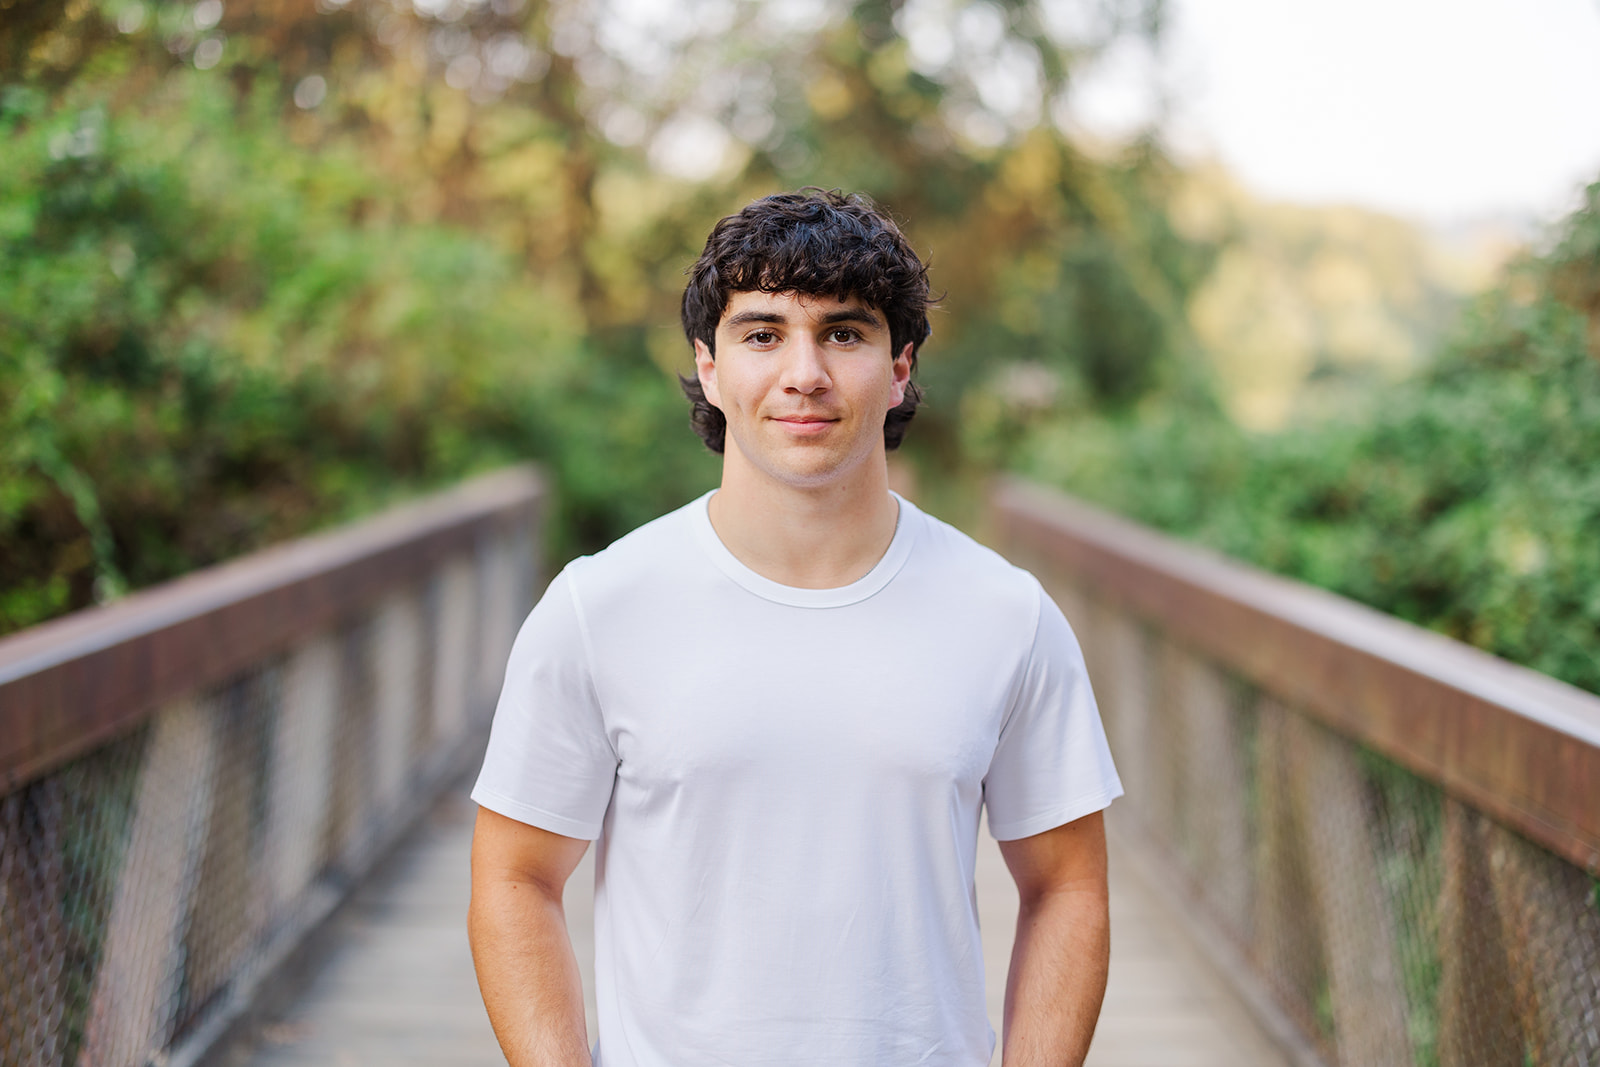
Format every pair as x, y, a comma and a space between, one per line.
1389, 921
147, 885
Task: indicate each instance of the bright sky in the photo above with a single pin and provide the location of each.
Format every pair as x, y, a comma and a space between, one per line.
1446, 110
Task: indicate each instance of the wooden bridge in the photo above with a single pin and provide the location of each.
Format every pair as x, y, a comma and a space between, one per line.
397, 987
233, 825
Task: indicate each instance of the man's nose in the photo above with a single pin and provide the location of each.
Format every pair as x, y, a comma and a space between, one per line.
805, 370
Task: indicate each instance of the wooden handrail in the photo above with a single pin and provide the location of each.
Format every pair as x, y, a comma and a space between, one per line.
69, 685
1517, 745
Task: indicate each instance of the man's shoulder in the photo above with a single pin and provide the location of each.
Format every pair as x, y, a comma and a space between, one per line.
967, 568
658, 549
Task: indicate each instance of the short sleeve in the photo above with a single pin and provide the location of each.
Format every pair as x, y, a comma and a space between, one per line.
1052, 764
549, 762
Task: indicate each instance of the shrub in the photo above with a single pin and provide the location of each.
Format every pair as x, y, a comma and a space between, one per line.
1466, 500
212, 338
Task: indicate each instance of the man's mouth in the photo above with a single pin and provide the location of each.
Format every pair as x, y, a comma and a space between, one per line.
805, 424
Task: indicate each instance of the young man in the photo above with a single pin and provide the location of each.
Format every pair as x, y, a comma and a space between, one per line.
778, 711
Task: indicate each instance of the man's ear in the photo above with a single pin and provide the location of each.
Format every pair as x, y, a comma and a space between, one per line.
902, 376
705, 368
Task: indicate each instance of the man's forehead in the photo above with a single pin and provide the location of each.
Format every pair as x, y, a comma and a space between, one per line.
786, 305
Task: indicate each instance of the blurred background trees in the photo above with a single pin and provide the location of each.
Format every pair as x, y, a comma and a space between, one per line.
266, 263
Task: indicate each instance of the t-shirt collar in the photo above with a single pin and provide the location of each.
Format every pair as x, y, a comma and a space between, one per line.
905, 533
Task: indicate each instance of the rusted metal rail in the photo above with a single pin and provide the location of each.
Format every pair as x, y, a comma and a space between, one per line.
1516, 744
1393, 836
69, 685
192, 779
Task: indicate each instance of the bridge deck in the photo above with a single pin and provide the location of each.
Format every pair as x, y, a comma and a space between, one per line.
398, 989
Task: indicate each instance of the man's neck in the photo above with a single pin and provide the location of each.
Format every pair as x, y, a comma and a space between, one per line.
807, 538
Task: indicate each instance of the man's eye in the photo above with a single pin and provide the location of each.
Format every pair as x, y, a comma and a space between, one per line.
843, 335
763, 337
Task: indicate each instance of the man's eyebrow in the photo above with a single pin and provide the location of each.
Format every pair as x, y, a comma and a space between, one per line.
745, 318
846, 314
853, 314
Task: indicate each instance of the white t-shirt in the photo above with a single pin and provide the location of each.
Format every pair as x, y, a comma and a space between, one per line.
785, 786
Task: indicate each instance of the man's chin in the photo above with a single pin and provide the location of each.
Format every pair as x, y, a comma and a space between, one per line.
823, 472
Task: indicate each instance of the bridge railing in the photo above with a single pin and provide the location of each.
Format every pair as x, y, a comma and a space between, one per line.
1389, 838
190, 779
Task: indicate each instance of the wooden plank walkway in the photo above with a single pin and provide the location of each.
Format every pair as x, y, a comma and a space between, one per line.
399, 991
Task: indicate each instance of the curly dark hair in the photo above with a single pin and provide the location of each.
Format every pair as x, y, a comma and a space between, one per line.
815, 242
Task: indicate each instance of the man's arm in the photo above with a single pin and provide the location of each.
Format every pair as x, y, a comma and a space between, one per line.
526, 969
1063, 946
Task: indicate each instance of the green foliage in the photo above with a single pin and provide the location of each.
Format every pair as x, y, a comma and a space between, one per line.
265, 266
1466, 500
212, 338
1306, 307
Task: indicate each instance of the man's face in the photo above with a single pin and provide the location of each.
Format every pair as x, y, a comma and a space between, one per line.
804, 382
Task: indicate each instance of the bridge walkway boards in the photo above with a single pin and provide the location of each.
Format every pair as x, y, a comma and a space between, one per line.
398, 989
